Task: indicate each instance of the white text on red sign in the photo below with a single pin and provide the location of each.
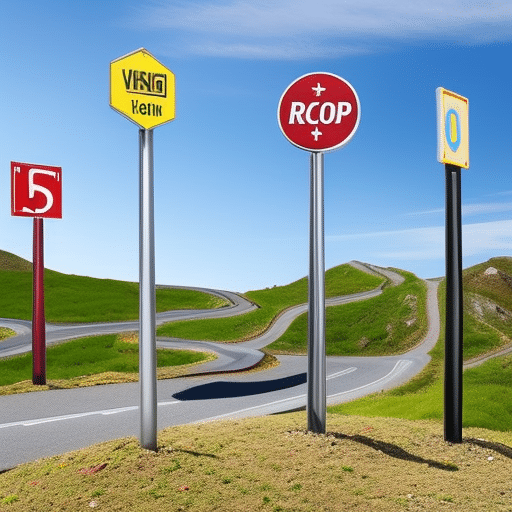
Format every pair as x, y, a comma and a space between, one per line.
36, 190
319, 112
327, 113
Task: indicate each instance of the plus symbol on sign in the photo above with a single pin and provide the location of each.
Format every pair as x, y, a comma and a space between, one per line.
316, 133
318, 89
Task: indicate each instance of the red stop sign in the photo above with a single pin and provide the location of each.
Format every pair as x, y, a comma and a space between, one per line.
319, 112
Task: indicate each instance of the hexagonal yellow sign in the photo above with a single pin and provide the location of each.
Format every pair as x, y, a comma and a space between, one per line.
142, 89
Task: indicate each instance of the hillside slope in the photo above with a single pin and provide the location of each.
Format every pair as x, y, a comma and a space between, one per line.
81, 299
487, 306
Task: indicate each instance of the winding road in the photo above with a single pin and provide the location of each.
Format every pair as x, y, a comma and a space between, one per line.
38, 424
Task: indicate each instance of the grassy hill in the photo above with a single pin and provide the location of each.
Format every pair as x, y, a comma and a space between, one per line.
14, 263
390, 323
487, 306
77, 299
271, 463
340, 280
487, 389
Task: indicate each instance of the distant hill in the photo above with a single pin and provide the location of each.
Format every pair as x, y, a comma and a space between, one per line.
487, 306
81, 299
492, 279
14, 263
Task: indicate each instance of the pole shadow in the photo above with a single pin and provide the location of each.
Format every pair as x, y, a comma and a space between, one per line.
502, 449
225, 389
394, 451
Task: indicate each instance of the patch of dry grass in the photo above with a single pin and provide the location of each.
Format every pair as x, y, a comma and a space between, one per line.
6, 333
14, 263
272, 464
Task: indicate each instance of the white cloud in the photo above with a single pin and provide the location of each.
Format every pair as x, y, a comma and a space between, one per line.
266, 28
470, 209
477, 209
429, 243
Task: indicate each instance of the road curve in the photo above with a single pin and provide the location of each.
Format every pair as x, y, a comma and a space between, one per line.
55, 333
31, 427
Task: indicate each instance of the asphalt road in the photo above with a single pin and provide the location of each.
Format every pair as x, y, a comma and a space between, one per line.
34, 425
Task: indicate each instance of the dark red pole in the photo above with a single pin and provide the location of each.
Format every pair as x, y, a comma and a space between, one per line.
38, 320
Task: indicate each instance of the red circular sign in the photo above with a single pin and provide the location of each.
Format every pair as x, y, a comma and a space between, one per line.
319, 112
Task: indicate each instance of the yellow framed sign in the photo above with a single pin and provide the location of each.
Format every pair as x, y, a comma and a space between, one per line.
142, 89
452, 128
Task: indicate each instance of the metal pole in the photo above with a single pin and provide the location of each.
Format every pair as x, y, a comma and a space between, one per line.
38, 319
316, 407
147, 308
453, 334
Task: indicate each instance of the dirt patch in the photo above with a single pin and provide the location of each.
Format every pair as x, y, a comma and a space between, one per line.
481, 307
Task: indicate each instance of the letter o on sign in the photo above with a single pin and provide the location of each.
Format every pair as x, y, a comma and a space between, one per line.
319, 112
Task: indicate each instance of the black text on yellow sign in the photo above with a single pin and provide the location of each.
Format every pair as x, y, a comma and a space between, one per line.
142, 89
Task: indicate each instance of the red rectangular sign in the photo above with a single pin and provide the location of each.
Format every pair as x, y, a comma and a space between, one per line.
36, 191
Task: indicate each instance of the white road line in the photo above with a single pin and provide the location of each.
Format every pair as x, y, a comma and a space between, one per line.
214, 418
106, 412
399, 367
343, 372
334, 375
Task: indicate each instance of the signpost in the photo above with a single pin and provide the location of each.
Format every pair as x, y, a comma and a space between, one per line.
143, 90
453, 151
318, 112
36, 191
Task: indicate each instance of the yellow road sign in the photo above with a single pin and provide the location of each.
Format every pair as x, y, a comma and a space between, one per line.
452, 128
142, 89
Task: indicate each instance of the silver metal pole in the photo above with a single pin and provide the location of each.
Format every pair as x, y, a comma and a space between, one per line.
147, 307
316, 406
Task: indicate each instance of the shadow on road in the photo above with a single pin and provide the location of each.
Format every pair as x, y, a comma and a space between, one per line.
237, 389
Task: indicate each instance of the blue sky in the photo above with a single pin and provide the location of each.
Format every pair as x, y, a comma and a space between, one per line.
231, 193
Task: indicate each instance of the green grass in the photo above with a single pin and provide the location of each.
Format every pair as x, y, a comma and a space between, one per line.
340, 280
79, 299
487, 389
90, 356
377, 326
487, 399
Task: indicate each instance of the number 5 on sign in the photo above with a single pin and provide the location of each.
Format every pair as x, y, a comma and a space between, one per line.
36, 191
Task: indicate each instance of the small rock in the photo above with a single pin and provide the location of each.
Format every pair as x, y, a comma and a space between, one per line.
491, 271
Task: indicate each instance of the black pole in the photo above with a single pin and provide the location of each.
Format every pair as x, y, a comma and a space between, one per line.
453, 333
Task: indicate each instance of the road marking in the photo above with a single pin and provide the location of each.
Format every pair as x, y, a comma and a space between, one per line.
399, 367
106, 412
343, 372
214, 418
